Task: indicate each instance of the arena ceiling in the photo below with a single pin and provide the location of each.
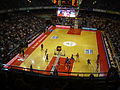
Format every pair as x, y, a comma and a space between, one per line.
100, 4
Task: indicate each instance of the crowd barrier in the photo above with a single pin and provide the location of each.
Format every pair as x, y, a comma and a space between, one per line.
45, 72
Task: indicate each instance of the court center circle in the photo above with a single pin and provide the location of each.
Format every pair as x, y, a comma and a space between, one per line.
69, 43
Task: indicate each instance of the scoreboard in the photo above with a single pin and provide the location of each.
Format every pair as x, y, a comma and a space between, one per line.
67, 12
67, 2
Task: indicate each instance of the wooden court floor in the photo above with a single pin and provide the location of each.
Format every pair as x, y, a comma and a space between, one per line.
83, 42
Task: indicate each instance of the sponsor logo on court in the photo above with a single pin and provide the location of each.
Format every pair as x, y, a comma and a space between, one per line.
54, 37
88, 51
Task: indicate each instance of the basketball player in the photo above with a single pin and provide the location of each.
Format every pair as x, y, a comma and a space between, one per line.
59, 62
55, 72
72, 58
31, 68
77, 57
46, 52
41, 47
98, 56
67, 60
68, 65
97, 67
97, 62
46, 57
88, 61
22, 51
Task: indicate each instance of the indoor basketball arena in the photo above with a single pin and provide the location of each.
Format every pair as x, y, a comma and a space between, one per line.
60, 44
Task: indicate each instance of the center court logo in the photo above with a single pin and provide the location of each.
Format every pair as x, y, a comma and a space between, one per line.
69, 43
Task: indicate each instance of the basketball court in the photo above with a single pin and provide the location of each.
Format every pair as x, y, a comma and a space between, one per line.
87, 44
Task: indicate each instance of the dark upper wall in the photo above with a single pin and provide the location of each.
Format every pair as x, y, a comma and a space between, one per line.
101, 4
11, 4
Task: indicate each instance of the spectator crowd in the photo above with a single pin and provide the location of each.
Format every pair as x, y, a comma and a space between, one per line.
16, 29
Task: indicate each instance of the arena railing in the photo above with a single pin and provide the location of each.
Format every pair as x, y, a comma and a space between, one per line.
45, 72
